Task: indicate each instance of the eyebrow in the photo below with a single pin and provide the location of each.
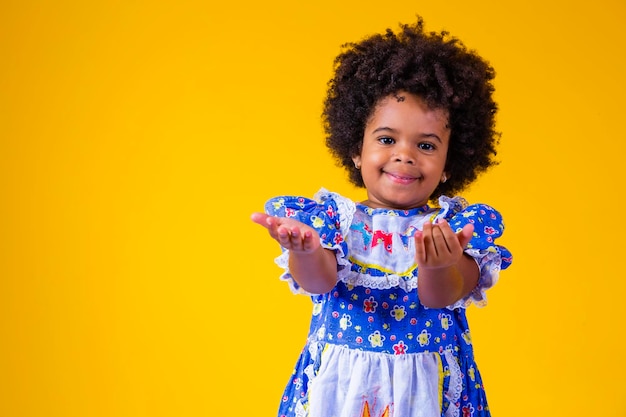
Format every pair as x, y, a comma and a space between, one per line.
423, 135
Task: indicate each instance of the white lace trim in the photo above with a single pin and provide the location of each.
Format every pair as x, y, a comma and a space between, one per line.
378, 283
453, 394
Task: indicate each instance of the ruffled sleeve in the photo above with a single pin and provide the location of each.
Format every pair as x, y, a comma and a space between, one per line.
329, 214
490, 257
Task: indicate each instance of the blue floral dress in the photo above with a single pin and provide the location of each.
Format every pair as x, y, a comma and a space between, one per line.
372, 349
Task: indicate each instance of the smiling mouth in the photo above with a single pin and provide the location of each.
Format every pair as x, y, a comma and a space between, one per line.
402, 179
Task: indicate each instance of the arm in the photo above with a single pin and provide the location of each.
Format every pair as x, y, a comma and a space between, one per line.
313, 267
445, 273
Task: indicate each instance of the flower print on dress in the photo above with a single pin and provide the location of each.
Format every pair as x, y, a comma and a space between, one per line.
376, 339
468, 410
345, 322
467, 337
278, 203
468, 213
369, 305
331, 212
400, 348
301, 201
317, 222
398, 312
471, 372
423, 338
446, 320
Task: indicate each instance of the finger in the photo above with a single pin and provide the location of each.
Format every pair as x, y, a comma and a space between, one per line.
269, 222
295, 238
420, 249
308, 243
428, 238
449, 238
260, 219
283, 236
465, 235
439, 243
272, 224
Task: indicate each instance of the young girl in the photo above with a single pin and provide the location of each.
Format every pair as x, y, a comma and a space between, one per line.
410, 116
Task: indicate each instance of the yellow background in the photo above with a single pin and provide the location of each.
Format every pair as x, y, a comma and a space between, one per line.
137, 137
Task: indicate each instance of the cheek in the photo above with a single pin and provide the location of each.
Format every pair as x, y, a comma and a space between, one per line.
370, 165
374, 158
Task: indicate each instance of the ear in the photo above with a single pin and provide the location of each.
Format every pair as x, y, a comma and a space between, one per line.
357, 161
444, 177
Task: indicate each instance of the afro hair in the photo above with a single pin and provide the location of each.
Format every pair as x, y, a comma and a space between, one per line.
432, 65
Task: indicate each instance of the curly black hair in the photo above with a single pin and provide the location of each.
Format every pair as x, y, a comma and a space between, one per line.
432, 65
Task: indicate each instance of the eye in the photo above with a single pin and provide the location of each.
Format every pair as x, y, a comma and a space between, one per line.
386, 140
426, 146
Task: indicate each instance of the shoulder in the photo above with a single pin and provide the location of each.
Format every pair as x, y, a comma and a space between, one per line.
487, 221
458, 207
278, 205
325, 206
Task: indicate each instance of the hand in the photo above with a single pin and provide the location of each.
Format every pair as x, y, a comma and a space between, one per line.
437, 246
289, 233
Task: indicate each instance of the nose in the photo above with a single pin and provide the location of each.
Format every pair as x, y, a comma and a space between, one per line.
405, 154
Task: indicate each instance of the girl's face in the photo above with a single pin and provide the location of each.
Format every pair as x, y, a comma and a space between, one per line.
404, 152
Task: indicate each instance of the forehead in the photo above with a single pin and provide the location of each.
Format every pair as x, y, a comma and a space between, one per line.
408, 108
